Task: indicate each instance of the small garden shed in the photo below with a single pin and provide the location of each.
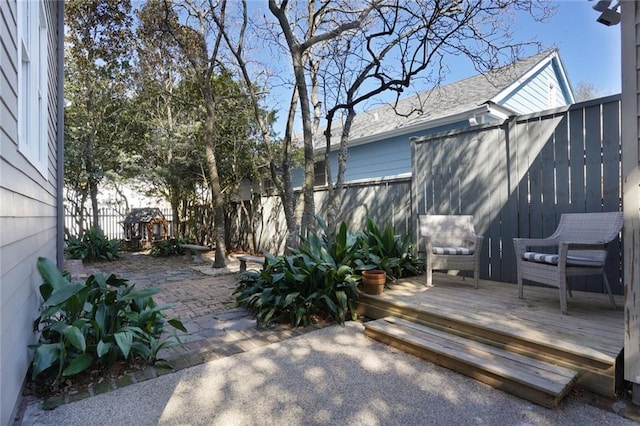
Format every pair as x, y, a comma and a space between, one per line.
143, 226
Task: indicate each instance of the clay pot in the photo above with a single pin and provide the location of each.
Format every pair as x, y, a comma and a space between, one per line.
373, 281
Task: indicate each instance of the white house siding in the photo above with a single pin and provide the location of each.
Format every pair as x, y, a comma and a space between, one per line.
533, 95
630, 32
27, 210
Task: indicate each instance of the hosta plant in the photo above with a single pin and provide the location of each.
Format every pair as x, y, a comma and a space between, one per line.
315, 279
92, 245
97, 322
382, 248
170, 247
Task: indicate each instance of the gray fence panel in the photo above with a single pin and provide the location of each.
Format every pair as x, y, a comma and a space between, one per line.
518, 178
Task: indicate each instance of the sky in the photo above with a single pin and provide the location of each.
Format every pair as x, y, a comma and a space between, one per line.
590, 51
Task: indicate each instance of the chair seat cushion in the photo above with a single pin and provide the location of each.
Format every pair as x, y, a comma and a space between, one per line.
552, 259
452, 250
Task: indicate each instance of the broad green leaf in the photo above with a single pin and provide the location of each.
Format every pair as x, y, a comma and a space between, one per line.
44, 357
78, 365
124, 339
74, 336
140, 294
176, 323
50, 273
103, 348
62, 294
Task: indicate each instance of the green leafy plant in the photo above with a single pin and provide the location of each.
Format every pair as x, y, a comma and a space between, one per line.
384, 249
311, 281
95, 323
170, 247
318, 278
92, 246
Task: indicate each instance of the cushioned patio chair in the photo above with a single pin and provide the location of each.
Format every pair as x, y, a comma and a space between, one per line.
451, 244
579, 246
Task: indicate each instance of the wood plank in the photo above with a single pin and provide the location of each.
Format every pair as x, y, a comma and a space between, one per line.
547, 178
578, 337
599, 357
525, 365
507, 303
541, 383
562, 165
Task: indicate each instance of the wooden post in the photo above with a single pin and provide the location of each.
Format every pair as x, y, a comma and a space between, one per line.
630, 32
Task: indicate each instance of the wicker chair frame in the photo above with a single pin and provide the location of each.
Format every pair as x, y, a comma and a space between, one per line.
583, 235
450, 231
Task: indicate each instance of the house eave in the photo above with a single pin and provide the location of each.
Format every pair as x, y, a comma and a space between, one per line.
442, 121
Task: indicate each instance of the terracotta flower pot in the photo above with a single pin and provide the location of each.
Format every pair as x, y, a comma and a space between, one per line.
373, 281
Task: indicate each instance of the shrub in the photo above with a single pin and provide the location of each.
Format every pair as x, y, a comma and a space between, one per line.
92, 246
318, 278
314, 280
384, 249
97, 322
170, 247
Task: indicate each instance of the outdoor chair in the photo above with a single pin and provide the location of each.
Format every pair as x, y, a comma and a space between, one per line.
579, 246
451, 244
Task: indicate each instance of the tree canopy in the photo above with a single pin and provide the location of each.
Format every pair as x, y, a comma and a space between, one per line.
175, 92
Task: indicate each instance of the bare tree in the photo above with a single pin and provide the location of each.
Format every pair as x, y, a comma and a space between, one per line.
402, 42
585, 91
325, 20
190, 24
353, 52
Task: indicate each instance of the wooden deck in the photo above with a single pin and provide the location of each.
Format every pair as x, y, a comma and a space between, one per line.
587, 340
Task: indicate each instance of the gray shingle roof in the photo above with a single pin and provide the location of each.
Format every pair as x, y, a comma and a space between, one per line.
440, 102
143, 215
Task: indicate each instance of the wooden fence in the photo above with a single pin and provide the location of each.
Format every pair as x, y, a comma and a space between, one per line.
386, 202
519, 177
110, 221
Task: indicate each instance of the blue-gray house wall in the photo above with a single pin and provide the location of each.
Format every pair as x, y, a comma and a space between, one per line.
388, 157
533, 95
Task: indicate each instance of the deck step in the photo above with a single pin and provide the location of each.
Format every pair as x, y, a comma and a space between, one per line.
538, 381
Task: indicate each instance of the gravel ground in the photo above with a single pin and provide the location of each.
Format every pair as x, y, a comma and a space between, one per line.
331, 376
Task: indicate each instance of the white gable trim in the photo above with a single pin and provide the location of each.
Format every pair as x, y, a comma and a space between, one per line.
502, 95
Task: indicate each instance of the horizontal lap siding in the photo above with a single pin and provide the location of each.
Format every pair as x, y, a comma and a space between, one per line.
27, 212
518, 178
534, 93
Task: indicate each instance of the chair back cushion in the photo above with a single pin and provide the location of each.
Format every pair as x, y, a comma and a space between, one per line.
448, 230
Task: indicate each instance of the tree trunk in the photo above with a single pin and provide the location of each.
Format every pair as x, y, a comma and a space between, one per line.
92, 181
216, 191
335, 191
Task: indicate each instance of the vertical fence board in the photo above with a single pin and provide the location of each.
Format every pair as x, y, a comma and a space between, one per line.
535, 180
593, 174
576, 175
593, 159
576, 161
561, 148
547, 169
509, 213
522, 141
611, 185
